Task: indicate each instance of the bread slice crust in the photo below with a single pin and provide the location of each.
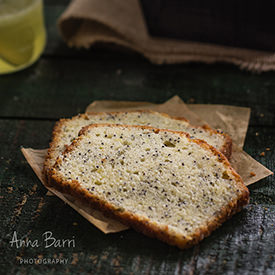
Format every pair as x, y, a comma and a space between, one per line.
226, 148
143, 224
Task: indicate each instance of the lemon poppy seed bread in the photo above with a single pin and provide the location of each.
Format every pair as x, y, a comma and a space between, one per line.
67, 129
160, 182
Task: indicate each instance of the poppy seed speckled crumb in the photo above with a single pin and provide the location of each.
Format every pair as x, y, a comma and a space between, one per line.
157, 195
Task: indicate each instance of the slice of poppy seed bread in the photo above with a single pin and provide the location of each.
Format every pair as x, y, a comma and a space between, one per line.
160, 182
67, 129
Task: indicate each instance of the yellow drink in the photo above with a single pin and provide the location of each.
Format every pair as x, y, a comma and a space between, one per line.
22, 34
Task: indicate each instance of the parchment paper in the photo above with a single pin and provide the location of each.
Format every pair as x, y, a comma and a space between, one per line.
88, 22
233, 120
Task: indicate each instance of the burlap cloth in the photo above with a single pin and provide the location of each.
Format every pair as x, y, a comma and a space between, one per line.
87, 22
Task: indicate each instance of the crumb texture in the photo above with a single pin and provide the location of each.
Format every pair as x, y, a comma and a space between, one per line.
157, 175
70, 128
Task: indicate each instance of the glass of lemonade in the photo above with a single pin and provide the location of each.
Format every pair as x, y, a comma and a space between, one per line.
22, 34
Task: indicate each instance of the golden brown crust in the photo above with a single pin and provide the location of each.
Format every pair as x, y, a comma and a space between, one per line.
55, 140
226, 149
143, 224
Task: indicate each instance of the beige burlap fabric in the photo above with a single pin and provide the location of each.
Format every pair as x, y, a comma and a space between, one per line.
87, 22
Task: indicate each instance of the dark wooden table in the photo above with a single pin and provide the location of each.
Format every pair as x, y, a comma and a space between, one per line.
62, 83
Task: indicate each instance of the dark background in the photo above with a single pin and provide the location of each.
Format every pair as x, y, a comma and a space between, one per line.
236, 23
62, 83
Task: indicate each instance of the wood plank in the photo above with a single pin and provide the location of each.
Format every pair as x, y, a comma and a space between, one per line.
57, 88
244, 244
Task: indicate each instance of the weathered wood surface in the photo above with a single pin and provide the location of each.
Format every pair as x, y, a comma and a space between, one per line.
62, 83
